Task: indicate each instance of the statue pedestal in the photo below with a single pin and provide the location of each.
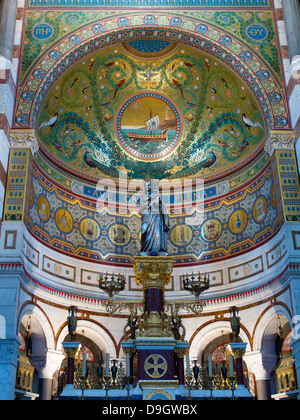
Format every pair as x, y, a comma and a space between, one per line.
159, 354
156, 366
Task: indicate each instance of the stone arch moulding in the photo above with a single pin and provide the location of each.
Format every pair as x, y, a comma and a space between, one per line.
39, 315
94, 332
210, 331
264, 321
44, 78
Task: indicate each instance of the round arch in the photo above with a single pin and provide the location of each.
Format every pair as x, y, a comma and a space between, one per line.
95, 333
44, 337
264, 327
96, 35
208, 333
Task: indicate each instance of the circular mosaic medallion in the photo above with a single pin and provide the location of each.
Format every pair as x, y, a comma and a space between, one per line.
43, 208
42, 31
148, 126
211, 230
257, 32
260, 209
181, 235
238, 221
90, 229
119, 234
64, 220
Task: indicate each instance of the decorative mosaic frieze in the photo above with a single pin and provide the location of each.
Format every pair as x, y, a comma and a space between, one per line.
249, 4
232, 224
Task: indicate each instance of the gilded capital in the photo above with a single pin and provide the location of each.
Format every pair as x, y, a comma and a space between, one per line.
71, 348
280, 140
23, 139
153, 272
237, 349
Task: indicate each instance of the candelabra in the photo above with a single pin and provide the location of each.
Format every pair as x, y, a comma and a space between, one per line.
111, 284
196, 285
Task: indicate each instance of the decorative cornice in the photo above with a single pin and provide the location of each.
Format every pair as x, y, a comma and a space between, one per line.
85, 300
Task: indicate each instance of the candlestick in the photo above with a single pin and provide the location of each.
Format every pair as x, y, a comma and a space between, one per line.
187, 361
83, 371
231, 365
107, 365
128, 365
210, 366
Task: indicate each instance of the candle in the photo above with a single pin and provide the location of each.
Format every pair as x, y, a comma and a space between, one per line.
187, 362
107, 365
210, 366
127, 365
83, 364
231, 365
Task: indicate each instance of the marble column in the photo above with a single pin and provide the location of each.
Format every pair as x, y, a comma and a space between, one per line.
181, 350
154, 273
261, 365
291, 16
296, 355
9, 351
238, 349
8, 17
71, 348
46, 366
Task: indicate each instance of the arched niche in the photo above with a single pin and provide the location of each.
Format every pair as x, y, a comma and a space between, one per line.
94, 333
211, 332
42, 333
267, 328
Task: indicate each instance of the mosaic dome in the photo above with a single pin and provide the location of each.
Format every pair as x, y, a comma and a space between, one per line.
150, 107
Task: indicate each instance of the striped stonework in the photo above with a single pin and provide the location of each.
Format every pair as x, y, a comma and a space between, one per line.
8, 74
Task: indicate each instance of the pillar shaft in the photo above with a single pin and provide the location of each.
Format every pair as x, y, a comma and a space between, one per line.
8, 17
291, 15
23, 145
281, 148
154, 300
263, 390
71, 370
239, 371
180, 370
71, 348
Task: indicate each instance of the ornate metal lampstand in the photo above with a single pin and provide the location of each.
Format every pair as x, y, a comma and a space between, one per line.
111, 284
237, 349
235, 321
196, 285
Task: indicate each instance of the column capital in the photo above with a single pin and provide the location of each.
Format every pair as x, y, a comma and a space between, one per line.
71, 348
260, 364
23, 138
153, 272
9, 351
237, 349
48, 364
280, 140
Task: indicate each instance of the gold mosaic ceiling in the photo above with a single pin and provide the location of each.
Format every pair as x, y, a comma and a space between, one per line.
150, 107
